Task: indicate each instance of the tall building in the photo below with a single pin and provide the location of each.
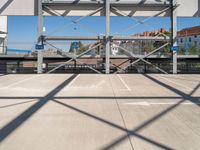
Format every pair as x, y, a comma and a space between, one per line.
3, 33
189, 37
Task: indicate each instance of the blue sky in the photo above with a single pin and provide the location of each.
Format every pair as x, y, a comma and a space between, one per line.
22, 31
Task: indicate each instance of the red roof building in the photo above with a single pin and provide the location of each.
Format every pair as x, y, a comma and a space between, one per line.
151, 33
189, 31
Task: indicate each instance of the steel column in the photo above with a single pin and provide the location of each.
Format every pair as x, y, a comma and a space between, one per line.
40, 33
98, 38
107, 37
4, 46
174, 33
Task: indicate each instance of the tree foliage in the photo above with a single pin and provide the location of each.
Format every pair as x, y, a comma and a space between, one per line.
81, 48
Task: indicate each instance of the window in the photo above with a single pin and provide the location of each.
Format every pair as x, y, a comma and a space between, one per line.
190, 40
195, 36
181, 40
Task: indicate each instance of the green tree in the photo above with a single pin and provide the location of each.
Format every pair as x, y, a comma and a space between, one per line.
81, 48
193, 50
181, 50
71, 50
148, 48
165, 50
157, 44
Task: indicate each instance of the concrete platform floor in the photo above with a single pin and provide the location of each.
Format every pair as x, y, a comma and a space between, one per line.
99, 112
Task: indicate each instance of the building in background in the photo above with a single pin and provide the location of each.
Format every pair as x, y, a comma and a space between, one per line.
151, 33
3, 34
189, 37
115, 47
142, 47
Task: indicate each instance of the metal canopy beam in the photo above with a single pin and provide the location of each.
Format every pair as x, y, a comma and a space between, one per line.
152, 3
69, 38
188, 8
96, 38
87, 6
135, 38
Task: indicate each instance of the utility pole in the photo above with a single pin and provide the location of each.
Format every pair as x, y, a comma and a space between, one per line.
107, 37
40, 40
174, 34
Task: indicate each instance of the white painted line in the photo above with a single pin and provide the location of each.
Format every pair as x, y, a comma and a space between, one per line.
72, 82
181, 85
11, 85
138, 103
81, 87
99, 84
145, 103
124, 83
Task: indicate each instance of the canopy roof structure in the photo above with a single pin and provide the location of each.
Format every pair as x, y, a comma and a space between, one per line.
187, 8
107, 8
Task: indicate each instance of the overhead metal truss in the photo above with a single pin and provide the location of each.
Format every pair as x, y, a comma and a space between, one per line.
99, 38
102, 2
74, 57
142, 58
107, 7
188, 8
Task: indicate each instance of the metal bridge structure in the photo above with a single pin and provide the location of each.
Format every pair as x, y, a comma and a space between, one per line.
106, 8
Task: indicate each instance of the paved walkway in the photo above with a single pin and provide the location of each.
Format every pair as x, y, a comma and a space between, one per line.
99, 112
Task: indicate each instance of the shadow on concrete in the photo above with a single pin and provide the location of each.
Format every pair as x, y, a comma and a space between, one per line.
133, 133
16, 104
19, 120
161, 114
1, 75
194, 99
178, 92
181, 78
24, 116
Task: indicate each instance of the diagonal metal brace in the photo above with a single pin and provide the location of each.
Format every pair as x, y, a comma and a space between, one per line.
64, 54
72, 21
74, 58
143, 59
89, 67
138, 21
